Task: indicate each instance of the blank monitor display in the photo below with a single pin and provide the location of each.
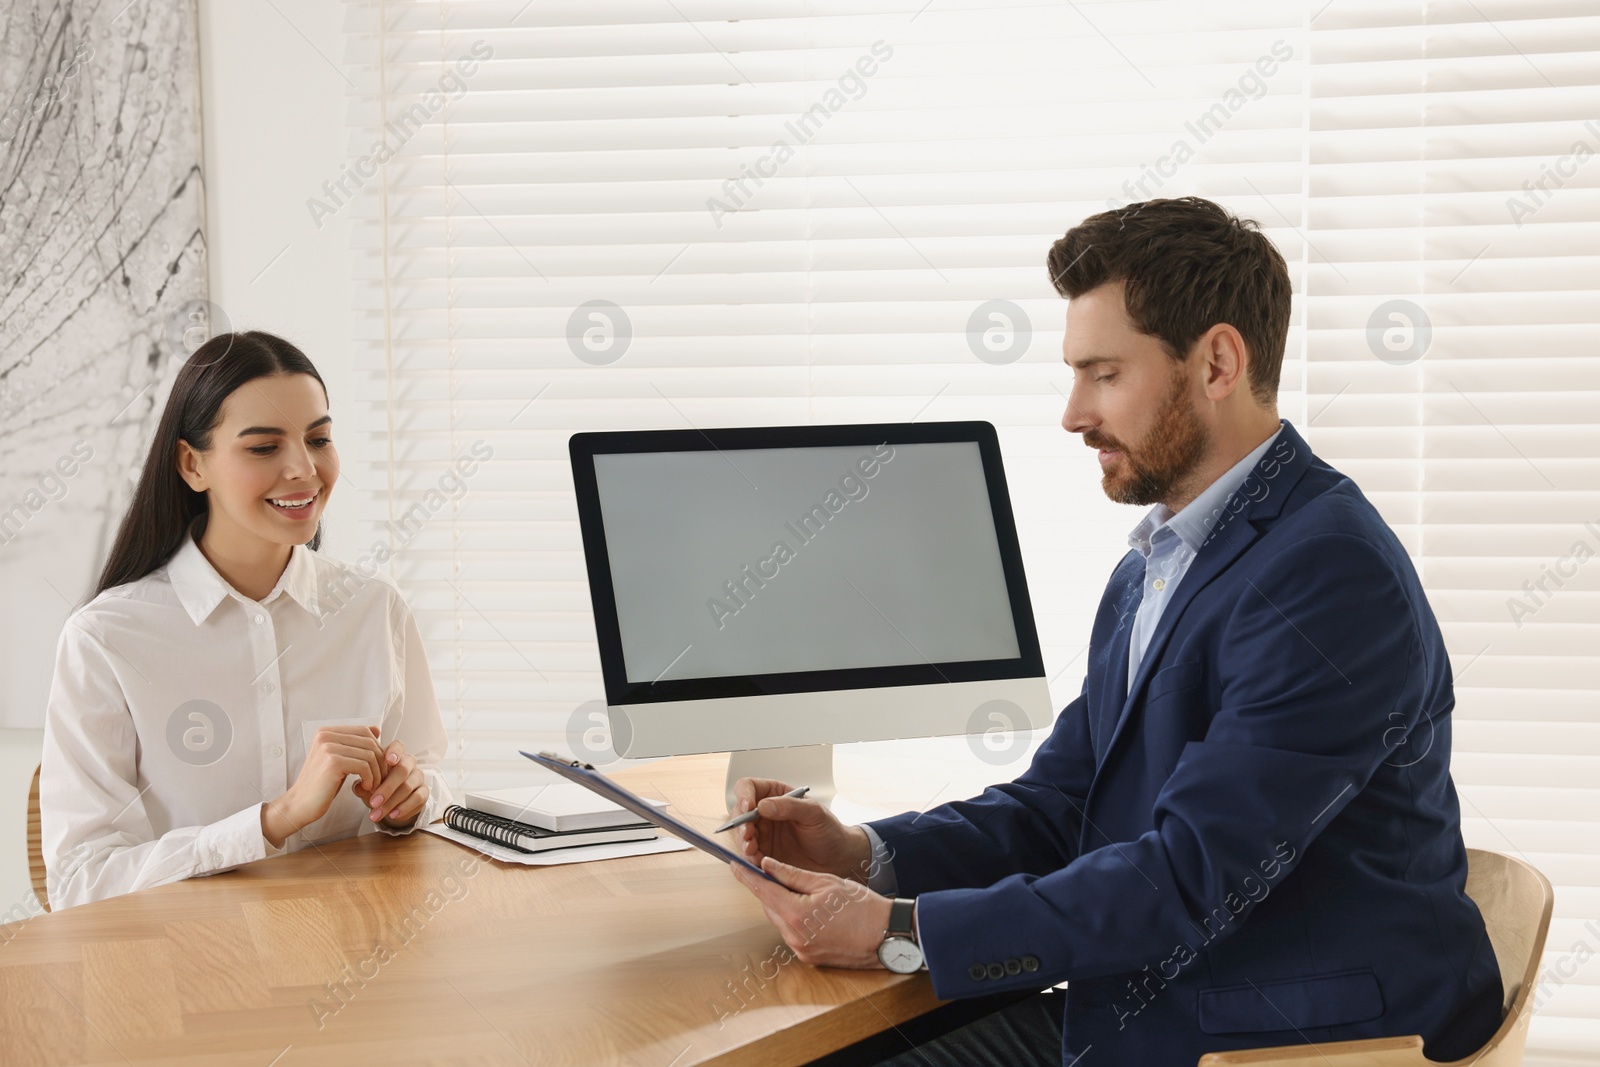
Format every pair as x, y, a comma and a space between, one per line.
757, 561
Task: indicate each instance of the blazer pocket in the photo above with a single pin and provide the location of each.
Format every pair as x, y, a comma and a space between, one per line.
1298, 1003
1172, 678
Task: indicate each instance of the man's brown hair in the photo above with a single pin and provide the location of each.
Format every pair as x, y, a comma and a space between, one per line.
1185, 265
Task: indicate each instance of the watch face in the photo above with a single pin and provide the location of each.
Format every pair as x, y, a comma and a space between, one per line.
900, 954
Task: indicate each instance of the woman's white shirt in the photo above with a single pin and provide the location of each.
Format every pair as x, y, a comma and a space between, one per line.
179, 706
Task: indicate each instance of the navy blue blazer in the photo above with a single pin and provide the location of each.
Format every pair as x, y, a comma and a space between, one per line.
1260, 844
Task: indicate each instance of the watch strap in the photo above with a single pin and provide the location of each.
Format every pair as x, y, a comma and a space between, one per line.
900, 918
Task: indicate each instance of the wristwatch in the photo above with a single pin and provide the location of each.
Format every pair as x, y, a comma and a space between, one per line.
899, 951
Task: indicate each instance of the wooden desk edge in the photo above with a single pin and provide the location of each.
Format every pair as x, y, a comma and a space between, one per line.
867, 1016
838, 1028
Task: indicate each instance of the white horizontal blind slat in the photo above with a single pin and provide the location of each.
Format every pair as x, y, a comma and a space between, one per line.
1430, 122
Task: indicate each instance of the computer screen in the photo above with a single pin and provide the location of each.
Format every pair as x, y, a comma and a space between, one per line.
750, 562
754, 561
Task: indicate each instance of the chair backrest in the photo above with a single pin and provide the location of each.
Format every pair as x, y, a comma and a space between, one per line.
35, 849
1515, 900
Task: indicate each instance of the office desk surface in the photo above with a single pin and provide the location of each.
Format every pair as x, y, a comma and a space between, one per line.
410, 950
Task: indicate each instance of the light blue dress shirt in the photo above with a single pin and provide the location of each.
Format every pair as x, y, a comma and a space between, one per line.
1168, 541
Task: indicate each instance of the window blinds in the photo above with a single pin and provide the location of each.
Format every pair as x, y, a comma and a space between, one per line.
1453, 223
671, 214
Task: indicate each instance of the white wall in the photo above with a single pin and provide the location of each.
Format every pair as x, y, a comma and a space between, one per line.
273, 107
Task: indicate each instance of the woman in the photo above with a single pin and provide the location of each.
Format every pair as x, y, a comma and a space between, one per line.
213, 697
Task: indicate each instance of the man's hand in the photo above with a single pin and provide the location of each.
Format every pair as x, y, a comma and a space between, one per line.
824, 919
798, 831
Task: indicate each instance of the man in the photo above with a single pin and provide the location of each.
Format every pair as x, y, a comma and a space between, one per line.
1230, 839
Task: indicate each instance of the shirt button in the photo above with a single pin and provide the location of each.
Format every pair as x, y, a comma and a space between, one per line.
216, 857
261, 618
1159, 584
267, 687
276, 751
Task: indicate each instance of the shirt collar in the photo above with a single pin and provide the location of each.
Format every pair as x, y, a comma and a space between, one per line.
200, 588
1190, 524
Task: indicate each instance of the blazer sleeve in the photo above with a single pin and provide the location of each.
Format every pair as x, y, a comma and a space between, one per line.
1029, 825
1320, 649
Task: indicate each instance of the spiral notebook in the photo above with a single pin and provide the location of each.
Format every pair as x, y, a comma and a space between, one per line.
556, 856
525, 837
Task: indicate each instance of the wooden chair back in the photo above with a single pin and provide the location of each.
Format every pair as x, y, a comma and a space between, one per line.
1515, 900
35, 850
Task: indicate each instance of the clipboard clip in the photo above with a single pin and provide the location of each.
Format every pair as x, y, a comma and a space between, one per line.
569, 762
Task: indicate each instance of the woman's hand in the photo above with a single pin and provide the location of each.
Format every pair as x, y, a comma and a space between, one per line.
400, 797
336, 753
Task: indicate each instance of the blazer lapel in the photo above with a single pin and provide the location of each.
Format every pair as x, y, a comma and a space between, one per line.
1262, 493
1112, 672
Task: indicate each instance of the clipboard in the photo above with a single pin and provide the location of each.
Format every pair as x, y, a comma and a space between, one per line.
585, 775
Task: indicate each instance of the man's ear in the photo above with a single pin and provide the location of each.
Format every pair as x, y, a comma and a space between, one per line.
189, 466
1227, 360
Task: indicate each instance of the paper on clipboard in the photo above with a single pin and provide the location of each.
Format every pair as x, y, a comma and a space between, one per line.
585, 775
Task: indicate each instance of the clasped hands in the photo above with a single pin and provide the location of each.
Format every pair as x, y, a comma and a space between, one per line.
822, 909
388, 781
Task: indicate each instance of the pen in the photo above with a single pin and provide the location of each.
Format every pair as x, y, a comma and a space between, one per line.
750, 816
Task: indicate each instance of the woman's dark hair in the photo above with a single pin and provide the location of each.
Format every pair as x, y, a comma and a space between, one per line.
163, 505
1186, 265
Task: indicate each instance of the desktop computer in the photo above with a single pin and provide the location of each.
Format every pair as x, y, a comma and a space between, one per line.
773, 591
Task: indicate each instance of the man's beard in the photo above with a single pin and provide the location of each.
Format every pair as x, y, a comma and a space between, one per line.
1167, 456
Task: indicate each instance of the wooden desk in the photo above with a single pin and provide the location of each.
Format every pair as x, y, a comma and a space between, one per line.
384, 950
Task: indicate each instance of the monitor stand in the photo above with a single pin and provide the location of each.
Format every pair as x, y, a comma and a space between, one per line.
810, 765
